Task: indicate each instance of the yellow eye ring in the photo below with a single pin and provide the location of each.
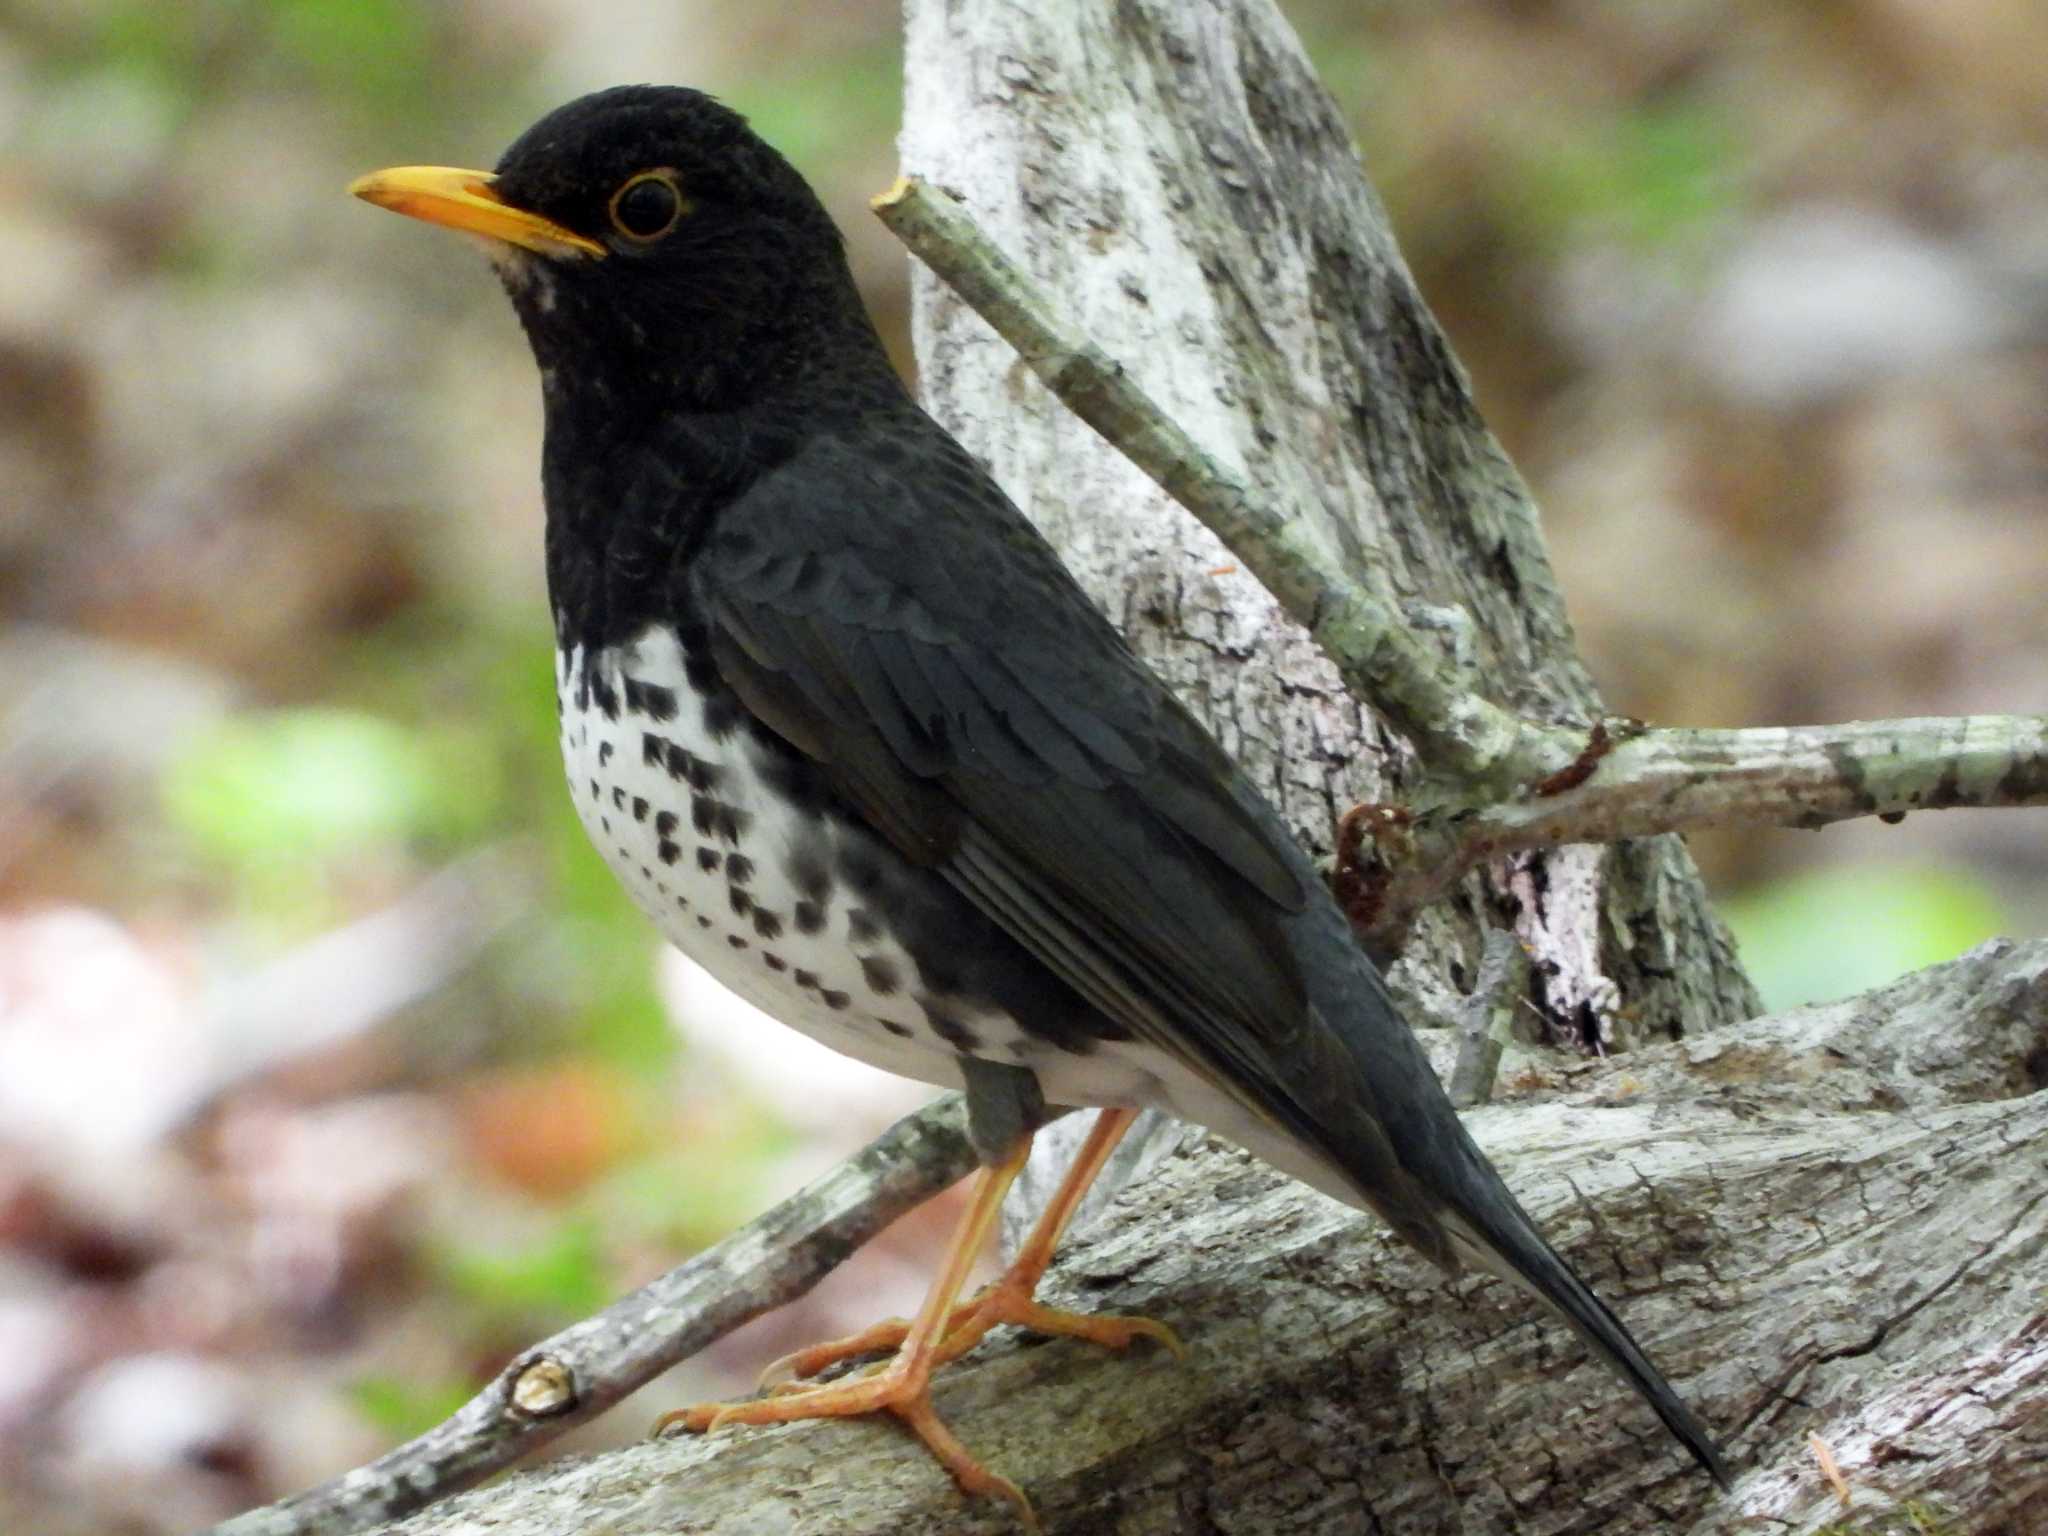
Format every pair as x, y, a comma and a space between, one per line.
647, 206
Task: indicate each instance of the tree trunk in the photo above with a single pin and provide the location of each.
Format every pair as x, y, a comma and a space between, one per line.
1831, 1222
1176, 173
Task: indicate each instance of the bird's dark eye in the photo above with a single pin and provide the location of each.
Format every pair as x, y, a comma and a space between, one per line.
648, 205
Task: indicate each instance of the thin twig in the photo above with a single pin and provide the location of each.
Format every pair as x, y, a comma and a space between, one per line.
1368, 638
589, 1366
1657, 781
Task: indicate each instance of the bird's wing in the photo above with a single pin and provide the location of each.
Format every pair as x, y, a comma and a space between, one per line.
911, 632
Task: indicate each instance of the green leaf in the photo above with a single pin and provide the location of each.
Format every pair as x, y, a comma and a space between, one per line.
301, 784
1835, 932
368, 49
692, 1191
401, 1409
563, 1274
816, 106
1657, 177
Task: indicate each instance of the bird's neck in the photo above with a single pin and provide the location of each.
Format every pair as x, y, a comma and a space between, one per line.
632, 482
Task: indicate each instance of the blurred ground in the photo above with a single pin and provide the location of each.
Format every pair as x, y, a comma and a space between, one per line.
332, 1068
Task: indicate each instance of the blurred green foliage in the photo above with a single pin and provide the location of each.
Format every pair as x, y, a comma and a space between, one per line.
401, 1409
283, 801
692, 1190
1656, 177
1814, 937
560, 1275
815, 106
378, 52
361, 53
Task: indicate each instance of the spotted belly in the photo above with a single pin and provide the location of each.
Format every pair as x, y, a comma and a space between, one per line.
740, 871
801, 911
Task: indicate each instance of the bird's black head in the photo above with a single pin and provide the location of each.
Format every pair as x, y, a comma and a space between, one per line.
660, 254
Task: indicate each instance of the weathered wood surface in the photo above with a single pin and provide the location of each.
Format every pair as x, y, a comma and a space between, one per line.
1833, 1221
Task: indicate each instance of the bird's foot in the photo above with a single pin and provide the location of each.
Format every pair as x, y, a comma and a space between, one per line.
945, 1329
901, 1386
791, 1369
1009, 1299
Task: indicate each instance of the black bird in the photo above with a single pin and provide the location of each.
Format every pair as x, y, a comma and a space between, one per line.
852, 736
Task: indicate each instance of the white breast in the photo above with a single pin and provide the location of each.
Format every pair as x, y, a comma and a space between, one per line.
717, 860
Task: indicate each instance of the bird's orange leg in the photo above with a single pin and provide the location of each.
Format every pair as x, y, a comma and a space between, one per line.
1011, 1298
903, 1385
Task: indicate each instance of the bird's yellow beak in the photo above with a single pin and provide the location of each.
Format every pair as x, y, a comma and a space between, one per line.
463, 200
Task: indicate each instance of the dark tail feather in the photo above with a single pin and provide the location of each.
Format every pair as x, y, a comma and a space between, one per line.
1492, 1231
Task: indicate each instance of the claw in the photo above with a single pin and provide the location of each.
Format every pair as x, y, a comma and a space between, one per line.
944, 1329
887, 1334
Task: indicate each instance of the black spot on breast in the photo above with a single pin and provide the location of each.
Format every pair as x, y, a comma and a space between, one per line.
836, 1001
735, 941
606, 823
683, 902
740, 902
732, 822
595, 792
698, 671
652, 748
650, 699
618, 798
806, 979
646, 873
703, 921
859, 868
860, 927
596, 690
901, 1031
774, 962
604, 753
664, 823
767, 924
687, 767
707, 860
739, 869
806, 869
668, 851
810, 917
947, 1027
721, 715
882, 976
639, 809
703, 812
941, 972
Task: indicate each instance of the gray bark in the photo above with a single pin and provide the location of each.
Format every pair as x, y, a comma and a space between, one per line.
1830, 1222
1174, 171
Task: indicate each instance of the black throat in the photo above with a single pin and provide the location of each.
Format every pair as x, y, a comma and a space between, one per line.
646, 444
